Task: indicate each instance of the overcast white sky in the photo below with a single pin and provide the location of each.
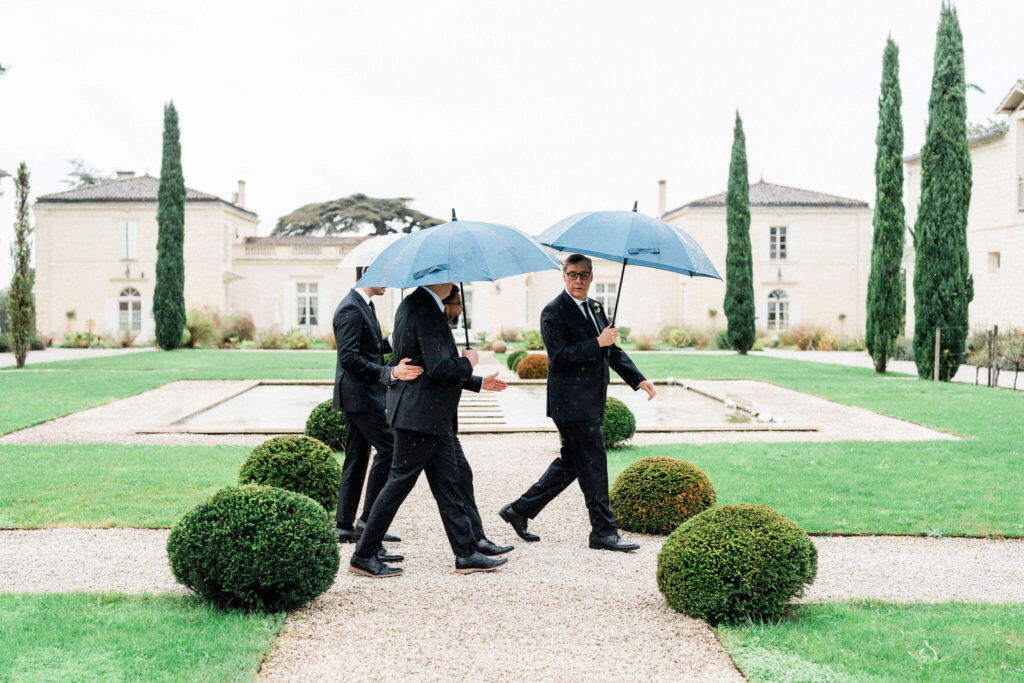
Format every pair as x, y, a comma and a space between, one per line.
513, 112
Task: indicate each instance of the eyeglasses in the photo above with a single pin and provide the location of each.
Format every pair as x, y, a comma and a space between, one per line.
582, 276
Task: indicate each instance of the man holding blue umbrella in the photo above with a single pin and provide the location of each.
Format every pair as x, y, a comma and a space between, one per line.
581, 348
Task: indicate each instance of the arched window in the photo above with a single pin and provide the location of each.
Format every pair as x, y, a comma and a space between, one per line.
129, 303
778, 311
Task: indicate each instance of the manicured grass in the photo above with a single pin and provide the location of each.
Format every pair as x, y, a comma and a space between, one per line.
872, 641
105, 637
101, 485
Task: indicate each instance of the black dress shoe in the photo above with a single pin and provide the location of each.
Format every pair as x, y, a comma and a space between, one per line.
347, 535
384, 556
518, 523
478, 563
612, 542
372, 567
388, 538
487, 547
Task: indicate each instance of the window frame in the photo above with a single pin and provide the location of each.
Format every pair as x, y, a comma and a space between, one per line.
307, 303
777, 314
778, 243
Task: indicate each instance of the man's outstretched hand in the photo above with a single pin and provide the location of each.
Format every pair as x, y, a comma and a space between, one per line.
492, 383
406, 372
648, 386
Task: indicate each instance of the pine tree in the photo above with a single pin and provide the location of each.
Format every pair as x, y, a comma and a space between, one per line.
20, 304
169, 294
886, 300
739, 269
943, 286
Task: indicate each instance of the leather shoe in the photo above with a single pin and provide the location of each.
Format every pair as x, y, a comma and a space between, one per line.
372, 567
347, 535
518, 523
384, 556
388, 538
478, 563
612, 542
486, 546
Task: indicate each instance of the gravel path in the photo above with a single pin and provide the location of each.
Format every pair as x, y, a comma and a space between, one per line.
54, 354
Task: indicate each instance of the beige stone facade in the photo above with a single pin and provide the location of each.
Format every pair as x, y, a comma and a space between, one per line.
995, 220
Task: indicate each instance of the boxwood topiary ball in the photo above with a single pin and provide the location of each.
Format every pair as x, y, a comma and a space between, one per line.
736, 562
296, 463
499, 346
618, 424
328, 425
533, 366
655, 495
513, 359
255, 547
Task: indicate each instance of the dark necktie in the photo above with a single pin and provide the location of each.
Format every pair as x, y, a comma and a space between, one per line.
589, 316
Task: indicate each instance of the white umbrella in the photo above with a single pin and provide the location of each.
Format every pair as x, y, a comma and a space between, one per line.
367, 251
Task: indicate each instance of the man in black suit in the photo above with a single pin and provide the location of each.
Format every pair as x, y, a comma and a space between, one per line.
581, 346
421, 413
360, 395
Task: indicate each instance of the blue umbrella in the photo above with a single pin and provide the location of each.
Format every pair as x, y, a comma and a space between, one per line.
629, 237
459, 251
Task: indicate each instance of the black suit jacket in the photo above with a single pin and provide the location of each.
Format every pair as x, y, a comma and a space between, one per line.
430, 402
357, 387
577, 365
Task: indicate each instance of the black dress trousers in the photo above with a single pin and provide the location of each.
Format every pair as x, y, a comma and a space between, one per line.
468, 496
363, 429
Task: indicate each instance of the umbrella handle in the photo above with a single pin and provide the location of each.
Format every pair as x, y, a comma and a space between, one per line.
465, 318
618, 292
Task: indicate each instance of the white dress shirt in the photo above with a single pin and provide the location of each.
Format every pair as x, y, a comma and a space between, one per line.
582, 303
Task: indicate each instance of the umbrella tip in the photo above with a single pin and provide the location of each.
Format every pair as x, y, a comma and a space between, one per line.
634, 205
453, 215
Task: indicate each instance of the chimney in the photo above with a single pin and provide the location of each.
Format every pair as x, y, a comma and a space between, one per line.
240, 195
661, 199
121, 175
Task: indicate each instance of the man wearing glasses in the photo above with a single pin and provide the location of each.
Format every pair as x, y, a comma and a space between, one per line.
581, 346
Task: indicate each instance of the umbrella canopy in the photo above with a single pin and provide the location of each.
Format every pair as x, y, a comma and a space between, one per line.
623, 236
368, 250
460, 251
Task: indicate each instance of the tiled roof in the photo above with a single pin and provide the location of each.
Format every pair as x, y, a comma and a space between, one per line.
332, 241
769, 194
971, 140
136, 189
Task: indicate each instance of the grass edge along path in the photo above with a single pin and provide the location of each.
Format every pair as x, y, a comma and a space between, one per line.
109, 636
878, 641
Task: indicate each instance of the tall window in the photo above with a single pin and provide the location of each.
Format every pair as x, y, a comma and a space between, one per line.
605, 292
127, 240
308, 303
129, 303
778, 311
777, 243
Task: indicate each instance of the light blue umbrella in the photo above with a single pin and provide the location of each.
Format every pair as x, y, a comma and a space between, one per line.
459, 251
630, 237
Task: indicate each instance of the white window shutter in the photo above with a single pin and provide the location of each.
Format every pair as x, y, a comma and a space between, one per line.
122, 240
765, 240
110, 317
792, 244
132, 231
761, 311
794, 314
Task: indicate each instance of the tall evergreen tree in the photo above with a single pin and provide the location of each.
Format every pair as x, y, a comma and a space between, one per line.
739, 268
886, 300
943, 285
169, 294
20, 304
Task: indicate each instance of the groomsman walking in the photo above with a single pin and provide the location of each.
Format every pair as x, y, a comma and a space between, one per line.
358, 392
581, 346
421, 413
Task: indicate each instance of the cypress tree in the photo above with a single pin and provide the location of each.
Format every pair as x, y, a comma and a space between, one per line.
886, 299
20, 304
739, 269
169, 294
943, 286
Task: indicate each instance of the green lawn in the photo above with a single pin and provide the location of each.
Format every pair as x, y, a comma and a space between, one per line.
102, 485
106, 637
872, 641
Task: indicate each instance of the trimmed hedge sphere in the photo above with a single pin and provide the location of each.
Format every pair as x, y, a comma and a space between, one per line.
655, 495
296, 463
534, 366
618, 424
499, 346
736, 562
328, 425
255, 547
514, 358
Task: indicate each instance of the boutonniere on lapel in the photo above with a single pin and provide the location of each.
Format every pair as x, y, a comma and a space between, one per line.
595, 306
